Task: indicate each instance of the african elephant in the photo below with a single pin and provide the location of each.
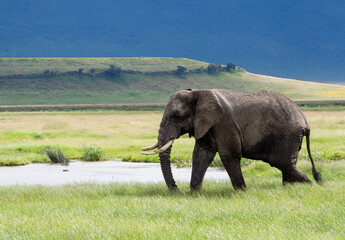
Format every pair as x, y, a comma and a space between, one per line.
263, 126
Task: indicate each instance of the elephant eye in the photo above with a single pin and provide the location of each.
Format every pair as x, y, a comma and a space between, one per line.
177, 118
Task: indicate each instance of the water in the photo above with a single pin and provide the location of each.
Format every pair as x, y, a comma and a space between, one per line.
96, 172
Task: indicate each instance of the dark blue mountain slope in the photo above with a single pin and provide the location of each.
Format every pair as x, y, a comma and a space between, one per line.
286, 38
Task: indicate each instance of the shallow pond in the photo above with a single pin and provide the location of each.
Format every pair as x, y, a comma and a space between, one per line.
96, 172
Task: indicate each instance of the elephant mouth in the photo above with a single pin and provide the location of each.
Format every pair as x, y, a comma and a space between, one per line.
160, 150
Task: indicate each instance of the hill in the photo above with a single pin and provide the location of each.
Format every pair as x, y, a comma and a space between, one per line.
26, 81
287, 38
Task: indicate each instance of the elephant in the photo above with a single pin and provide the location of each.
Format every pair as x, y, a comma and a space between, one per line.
263, 125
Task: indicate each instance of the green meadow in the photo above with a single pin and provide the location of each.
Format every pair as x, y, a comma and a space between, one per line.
30, 81
13, 66
266, 210
122, 134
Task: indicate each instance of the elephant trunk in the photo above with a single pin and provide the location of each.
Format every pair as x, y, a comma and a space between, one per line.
164, 137
166, 168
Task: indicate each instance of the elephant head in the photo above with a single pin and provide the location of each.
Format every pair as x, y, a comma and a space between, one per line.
188, 111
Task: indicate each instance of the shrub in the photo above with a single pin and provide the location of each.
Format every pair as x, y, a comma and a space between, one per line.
214, 68
181, 70
93, 153
48, 73
231, 67
113, 71
57, 156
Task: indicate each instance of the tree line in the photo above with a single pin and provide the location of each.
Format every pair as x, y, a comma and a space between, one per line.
114, 71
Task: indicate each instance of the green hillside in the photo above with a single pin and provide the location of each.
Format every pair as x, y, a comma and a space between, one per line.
135, 80
11, 66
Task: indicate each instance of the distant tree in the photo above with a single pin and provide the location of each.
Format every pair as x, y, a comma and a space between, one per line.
230, 67
80, 71
200, 70
46, 73
113, 71
49, 73
214, 68
181, 70
92, 71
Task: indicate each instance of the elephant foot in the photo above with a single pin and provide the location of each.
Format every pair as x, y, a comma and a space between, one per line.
195, 187
240, 187
292, 175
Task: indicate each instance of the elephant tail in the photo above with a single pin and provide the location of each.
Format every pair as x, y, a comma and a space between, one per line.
316, 174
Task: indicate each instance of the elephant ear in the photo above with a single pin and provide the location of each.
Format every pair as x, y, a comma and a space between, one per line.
208, 111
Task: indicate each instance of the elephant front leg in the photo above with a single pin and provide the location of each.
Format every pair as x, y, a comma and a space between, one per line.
232, 164
202, 159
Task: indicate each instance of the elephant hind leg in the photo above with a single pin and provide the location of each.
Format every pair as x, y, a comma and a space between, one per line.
284, 155
292, 174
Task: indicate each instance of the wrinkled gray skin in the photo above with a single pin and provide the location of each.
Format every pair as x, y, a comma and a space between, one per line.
263, 126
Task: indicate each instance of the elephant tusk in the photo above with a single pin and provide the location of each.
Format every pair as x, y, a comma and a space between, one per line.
162, 149
150, 148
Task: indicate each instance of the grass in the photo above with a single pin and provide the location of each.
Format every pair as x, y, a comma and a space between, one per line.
138, 88
121, 135
266, 210
323, 108
135, 88
93, 153
56, 156
340, 93
13, 66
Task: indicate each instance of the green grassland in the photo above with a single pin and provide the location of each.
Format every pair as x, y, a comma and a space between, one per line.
121, 135
13, 66
266, 210
135, 87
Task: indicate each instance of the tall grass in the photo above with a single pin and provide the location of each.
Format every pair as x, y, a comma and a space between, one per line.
266, 210
93, 153
121, 135
56, 156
